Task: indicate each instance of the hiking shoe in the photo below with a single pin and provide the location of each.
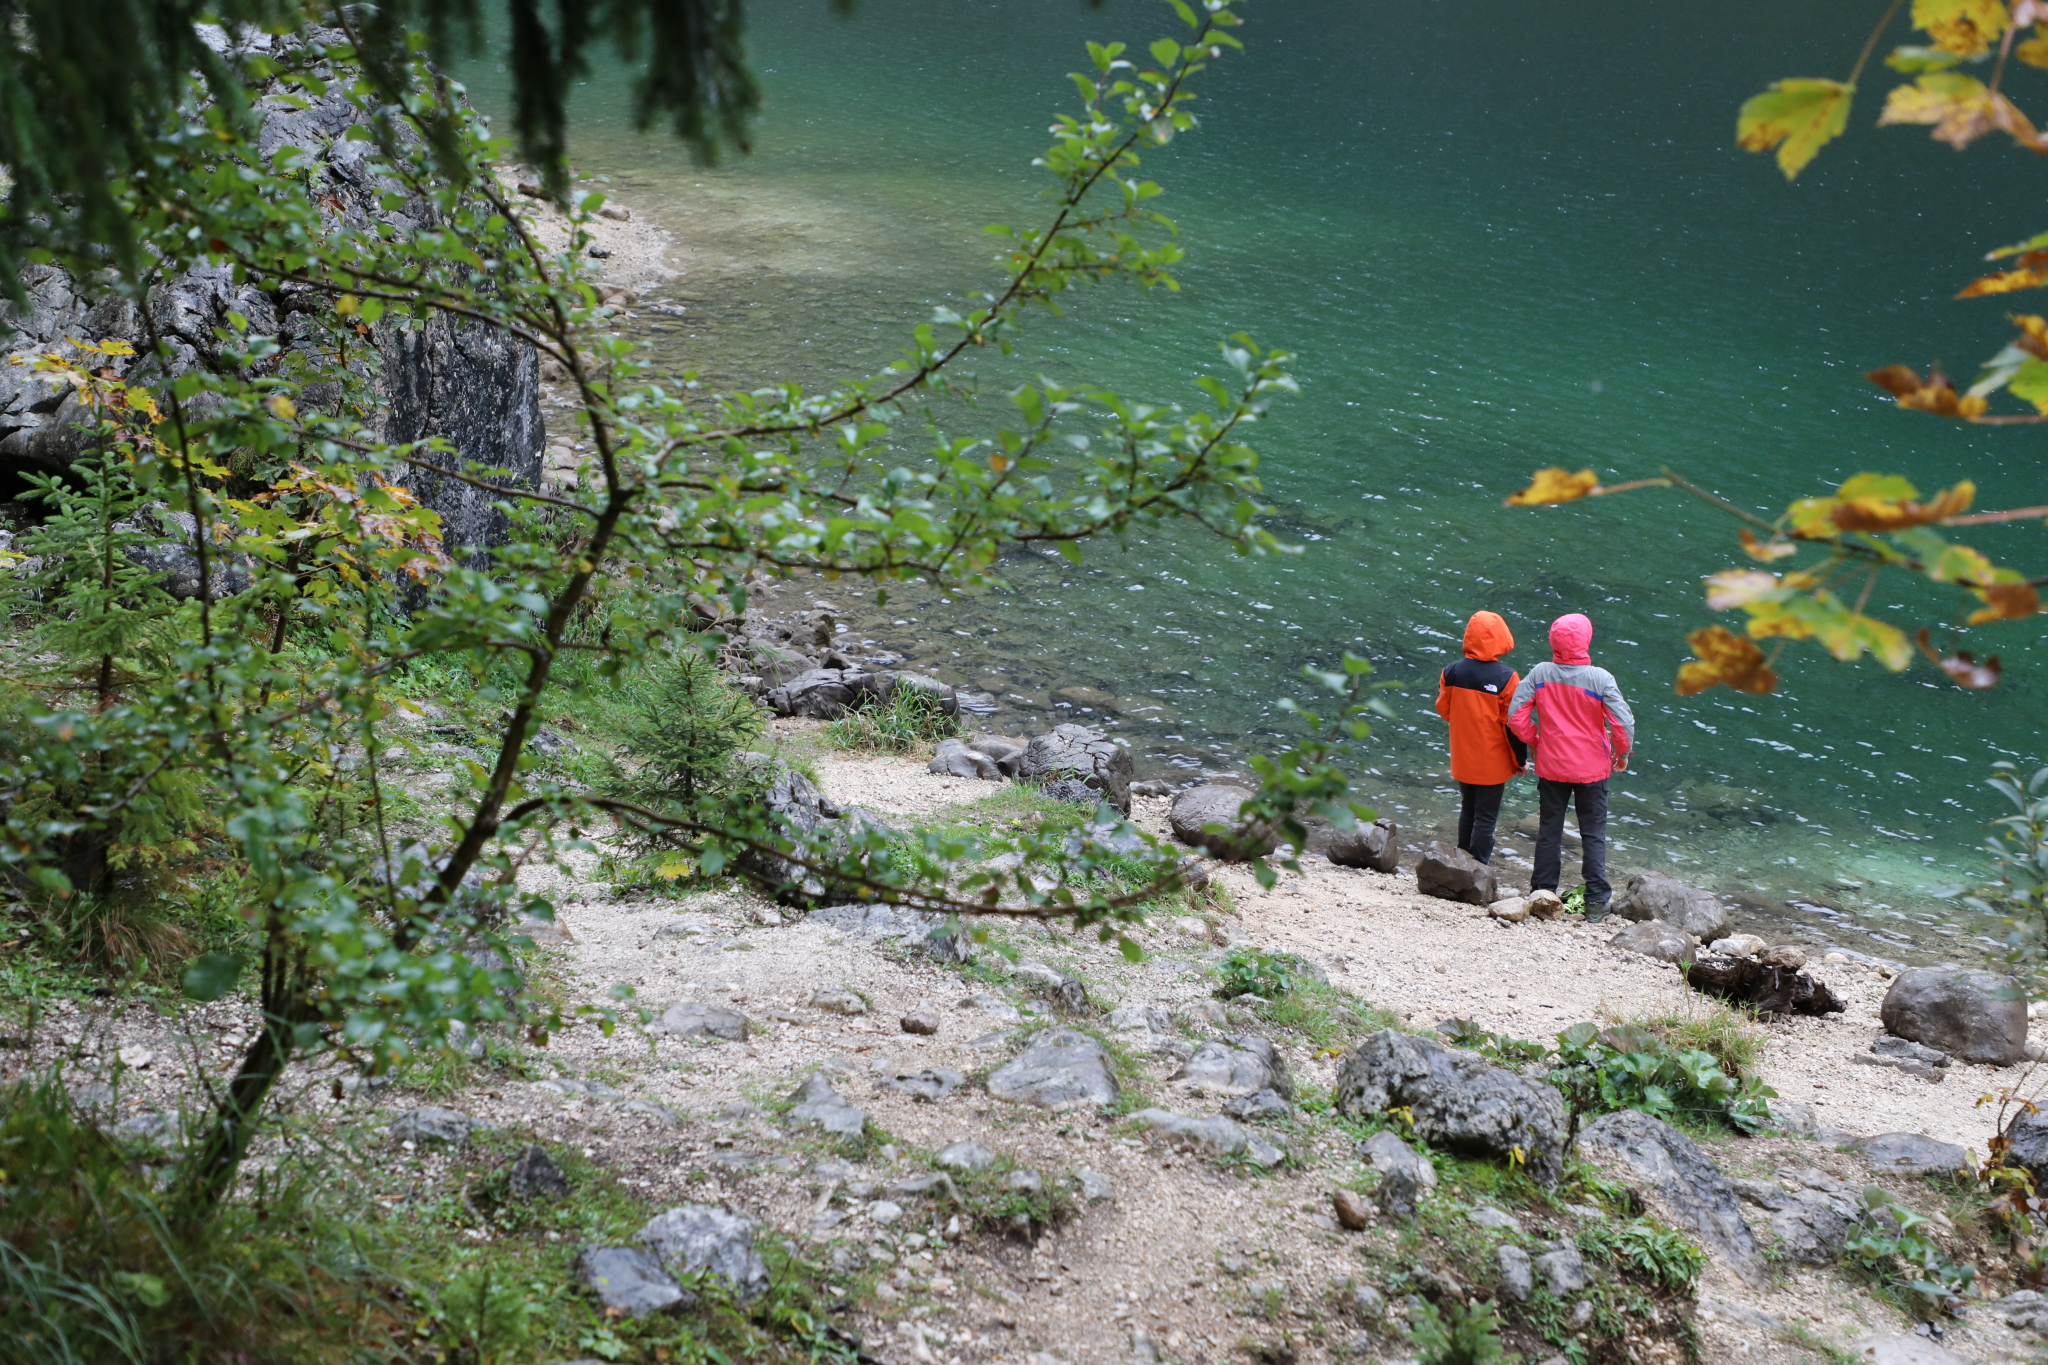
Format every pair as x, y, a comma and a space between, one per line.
1598, 910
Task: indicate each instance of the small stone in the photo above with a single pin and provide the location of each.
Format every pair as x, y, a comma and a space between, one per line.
691, 1019
1208, 1012
1095, 1187
1351, 1209
1455, 875
1563, 1269
1513, 910
1061, 1068
929, 1086
1260, 1152
629, 1281
1911, 1154
1487, 1217
1367, 1302
1544, 904
1260, 1104
1784, 955
1136, 1018
535, 1175
1216, 1135
965, 1156
885, 1212
837, 1000
1654, 938
1738, 945
925, 1022
1517, 1272
434, 1124
1024, 1182
818, 1103
135, 1058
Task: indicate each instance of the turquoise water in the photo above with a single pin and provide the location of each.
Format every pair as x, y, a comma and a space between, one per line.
1497, 241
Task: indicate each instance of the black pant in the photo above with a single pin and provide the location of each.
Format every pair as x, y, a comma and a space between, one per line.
1478, 813
1591, 799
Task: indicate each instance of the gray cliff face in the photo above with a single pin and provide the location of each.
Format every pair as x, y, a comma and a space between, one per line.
475, 387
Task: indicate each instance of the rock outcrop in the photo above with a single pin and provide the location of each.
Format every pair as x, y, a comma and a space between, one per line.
1666, 1166
1077, 754
1460, 1101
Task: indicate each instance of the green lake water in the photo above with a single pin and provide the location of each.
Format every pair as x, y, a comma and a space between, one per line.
1499, 236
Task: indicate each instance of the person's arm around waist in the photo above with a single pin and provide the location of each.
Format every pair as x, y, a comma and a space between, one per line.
1443, 694
1521, 713
1516, 744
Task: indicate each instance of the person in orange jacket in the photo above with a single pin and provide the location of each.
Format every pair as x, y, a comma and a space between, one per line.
1473, 695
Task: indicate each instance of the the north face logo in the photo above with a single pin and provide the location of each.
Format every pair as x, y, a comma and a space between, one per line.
1493, 687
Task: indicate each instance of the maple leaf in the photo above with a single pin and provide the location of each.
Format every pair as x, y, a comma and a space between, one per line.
1798, 117
1874, 502
1935, 394
1725, 659
1965, 27
1550, 486
1961, 110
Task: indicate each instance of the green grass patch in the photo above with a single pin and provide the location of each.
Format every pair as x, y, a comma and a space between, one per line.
907, 721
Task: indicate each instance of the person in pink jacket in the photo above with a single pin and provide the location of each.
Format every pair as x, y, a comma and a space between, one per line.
1573, 716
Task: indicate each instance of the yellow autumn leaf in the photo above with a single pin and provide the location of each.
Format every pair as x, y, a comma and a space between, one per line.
2005, 282
1554, 485
1961, 109
1871, 503
1738, 587
1964, 27
282, 407
1935, 394
348, 305
1766, 550
1725, 659
2034, 51
1798, 117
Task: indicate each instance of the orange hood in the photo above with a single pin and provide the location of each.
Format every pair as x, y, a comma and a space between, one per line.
1487, 636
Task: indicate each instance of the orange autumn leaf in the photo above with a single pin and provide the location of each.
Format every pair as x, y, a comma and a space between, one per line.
1962, 667
2005, 282
1860, 510
1548, 487
2005, 602
1936, 394
1766, 550
1725, 658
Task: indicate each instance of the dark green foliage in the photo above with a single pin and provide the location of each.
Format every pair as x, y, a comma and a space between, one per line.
1501, 1047
95, 96
687, 723
1646, 1249
1891, 1247
94, 1267
909, 717
1456, 1333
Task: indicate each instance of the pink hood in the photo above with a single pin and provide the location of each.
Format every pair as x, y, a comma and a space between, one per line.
1571, 639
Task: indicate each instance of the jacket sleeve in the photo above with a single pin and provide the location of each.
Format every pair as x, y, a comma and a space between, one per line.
1443, 696
1515, 741
1521, 715
1619, 718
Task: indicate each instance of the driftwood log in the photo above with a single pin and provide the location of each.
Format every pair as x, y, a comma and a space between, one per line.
1770, 990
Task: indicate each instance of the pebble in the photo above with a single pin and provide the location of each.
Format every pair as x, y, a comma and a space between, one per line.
923, 1022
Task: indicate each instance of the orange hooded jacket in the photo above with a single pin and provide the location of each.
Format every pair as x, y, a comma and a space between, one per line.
1473, 695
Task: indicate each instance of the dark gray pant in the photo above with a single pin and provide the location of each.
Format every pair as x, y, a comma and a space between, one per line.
1478, 813
1591, 800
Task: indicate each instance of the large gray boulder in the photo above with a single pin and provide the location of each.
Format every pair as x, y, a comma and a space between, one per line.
1206, 818
1666, 1166
2029, 1134
1458, 1100
1911, 1154
1455, 875
1978, 1016
698, 1238
1076, 753
1061, 1068
822, 693
1376, 846
1236, 1064
955, 759
1654, 896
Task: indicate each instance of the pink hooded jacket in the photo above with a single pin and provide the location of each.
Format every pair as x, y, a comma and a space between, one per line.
1570, 712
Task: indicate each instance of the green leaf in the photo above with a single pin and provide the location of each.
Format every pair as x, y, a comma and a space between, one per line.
212, 975
1166, 52
1916, 60
148, 1288
1798, 117
1130, 948
2030, 381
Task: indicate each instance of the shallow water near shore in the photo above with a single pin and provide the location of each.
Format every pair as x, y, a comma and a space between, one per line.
1495, 243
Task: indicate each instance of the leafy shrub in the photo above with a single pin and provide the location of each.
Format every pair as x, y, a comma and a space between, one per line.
1457, 1334
1648, 1249
1501, 1047
1891, 1247
1630, 1068
909, 717
1254, 971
